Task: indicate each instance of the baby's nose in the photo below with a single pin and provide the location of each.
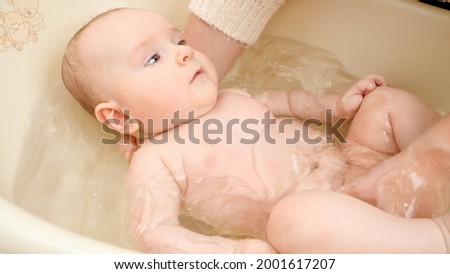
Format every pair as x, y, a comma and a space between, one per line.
184, 54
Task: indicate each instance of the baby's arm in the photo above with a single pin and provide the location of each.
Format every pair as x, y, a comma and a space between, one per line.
154, 205
305, 105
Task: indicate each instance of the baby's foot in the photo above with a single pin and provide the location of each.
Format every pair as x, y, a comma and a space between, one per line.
350, 102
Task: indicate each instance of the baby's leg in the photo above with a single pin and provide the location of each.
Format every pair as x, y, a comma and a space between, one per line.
415, 182
331, 222
389, 119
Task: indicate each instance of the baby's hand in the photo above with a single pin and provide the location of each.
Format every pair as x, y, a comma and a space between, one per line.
253, 246
352, 99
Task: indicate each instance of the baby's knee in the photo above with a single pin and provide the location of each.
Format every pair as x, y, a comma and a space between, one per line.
385, 96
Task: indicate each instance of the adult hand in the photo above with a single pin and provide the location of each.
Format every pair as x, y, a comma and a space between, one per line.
221, 49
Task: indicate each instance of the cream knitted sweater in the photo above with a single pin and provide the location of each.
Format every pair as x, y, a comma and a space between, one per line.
242, 20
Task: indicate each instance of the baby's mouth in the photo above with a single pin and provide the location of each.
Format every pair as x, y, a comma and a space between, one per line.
197, 74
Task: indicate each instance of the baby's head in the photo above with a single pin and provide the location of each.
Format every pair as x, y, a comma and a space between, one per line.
133, 64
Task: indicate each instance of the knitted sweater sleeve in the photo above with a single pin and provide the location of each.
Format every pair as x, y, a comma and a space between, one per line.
242, 20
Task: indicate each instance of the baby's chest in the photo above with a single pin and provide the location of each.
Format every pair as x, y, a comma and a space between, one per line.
266, 171
240, 138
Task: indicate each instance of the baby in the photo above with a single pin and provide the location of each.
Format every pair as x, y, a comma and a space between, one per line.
223, 157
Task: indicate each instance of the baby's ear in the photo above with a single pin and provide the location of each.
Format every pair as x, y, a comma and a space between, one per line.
110, 114
113, 116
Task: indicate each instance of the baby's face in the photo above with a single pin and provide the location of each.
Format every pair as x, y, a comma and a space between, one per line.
149, 70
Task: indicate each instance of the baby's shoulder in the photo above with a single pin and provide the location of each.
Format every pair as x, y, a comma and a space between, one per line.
150, 152
239, 102
160, 162
141, 156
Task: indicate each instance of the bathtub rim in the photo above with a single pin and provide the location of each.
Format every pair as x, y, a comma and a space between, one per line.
27, 233
13, 217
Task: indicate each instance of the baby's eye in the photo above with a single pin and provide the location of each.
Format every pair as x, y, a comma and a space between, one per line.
153, 59
182, 42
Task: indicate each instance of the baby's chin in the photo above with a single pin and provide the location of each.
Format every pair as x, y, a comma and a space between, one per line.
207, 104
204, 93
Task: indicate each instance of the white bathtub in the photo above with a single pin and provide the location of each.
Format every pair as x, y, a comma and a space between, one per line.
406, 41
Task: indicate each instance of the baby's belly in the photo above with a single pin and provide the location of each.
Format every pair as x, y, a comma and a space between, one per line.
298, 163
228, 204
239, 200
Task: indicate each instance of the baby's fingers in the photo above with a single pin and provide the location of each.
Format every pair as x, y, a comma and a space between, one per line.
369, 83
377, 79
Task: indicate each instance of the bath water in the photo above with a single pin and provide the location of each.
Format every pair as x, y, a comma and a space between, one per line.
69, 178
